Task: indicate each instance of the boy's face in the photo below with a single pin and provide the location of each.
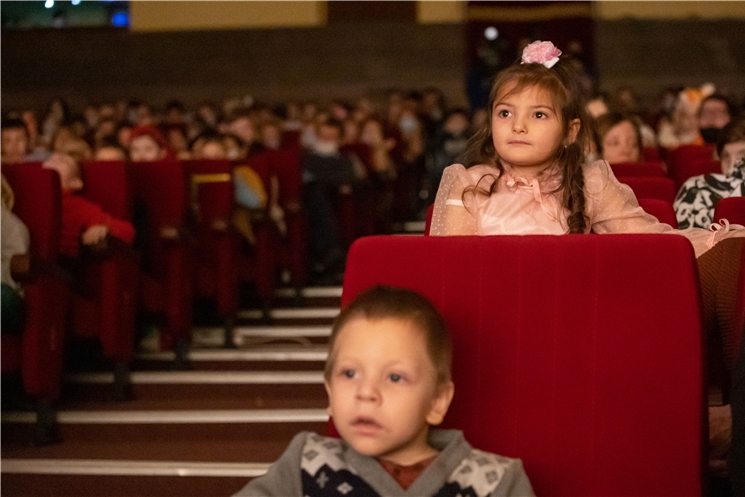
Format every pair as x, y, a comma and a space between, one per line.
14, 144
383, 392
68, 171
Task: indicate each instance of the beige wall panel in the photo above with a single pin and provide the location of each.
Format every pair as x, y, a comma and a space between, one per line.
611, 9
432, 11
199, 15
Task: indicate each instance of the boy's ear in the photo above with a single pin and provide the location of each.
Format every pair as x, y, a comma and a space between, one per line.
328, 394
441, 404
574, 126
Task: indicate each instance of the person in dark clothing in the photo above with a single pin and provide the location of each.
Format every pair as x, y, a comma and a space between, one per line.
326, 174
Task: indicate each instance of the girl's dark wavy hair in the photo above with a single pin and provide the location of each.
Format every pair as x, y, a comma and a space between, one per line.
562, 83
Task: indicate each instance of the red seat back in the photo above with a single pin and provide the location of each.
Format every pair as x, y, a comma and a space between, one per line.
582, 355
624, 169
106, 183
661, 209
650, 154
291, 138
682, 161
691, 153
40, 212
161, 185
38, 352
286, 165
211, 188
651, 187
688, 170
732, 209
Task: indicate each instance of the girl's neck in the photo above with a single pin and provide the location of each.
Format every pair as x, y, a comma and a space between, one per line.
527, 172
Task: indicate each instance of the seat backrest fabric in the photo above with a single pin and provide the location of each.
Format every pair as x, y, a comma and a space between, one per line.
581, 355
650, 187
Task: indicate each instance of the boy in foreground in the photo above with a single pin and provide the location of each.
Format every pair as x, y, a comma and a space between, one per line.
388, 379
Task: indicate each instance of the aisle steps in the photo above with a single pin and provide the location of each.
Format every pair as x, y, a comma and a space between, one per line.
205, 431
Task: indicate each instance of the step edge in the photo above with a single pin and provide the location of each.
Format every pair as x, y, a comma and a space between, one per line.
203, 377
177, 416
226, 355
131, 468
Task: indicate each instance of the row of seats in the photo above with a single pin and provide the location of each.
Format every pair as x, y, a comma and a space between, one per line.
185, 247
656, 191
680, 163
660, 175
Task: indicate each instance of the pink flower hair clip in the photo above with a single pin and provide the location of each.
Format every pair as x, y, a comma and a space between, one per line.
541, 52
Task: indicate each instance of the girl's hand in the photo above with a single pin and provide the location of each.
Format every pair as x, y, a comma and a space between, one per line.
95, 234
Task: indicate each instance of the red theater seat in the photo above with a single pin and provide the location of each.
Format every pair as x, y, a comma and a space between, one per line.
166, 287
650, 154
651, 187
104, 304
257, 263
661, 209
291, 139
732, 209
625, 169
216, 243
294, 247
691, 160
38, 352
581, 355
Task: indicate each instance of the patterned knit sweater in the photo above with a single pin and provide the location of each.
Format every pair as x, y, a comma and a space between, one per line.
315, 466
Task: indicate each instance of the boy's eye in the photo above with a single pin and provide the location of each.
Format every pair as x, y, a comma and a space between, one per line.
395, 377
348, 373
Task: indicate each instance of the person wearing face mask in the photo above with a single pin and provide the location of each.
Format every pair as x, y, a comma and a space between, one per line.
714, 114
326, 173
698, 196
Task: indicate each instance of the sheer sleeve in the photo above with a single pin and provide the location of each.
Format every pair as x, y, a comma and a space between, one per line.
450, 217
613, 208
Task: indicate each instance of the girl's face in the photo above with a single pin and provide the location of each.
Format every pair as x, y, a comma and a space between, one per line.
620, 144
527, 131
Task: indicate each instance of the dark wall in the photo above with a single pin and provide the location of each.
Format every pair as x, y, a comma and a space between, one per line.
342, 60
651, 55
271, 64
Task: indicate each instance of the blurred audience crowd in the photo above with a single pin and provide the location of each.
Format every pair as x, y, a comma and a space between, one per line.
393, 150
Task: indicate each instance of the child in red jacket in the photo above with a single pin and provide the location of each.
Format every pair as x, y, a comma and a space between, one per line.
83, 222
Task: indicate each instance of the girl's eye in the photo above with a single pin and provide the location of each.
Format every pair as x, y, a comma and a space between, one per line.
348, 373
503, 113
396, 378
541, 115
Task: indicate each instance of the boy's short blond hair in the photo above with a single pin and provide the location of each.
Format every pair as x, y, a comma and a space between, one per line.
381, 302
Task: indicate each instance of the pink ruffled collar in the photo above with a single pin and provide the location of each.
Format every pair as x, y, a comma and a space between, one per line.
542, 186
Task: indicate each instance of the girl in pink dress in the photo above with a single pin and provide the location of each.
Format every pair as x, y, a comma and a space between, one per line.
527, 174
